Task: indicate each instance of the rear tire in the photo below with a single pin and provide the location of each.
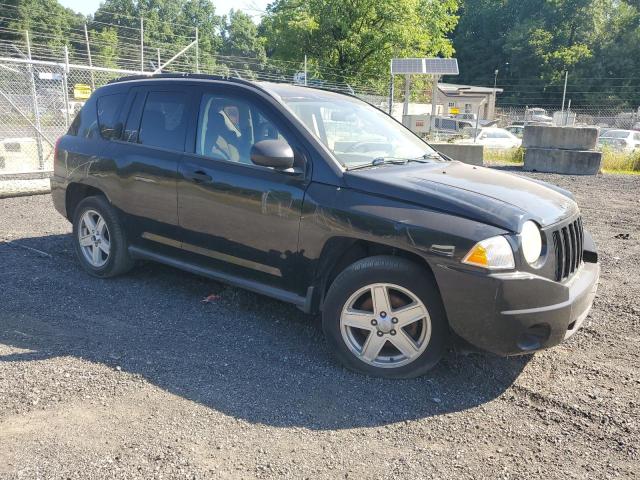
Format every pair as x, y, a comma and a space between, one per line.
99, 239
383, 316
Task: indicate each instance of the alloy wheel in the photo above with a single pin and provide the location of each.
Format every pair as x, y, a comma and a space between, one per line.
94, 238
385, 325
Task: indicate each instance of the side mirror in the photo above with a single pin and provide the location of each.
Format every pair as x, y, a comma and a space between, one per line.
272, 153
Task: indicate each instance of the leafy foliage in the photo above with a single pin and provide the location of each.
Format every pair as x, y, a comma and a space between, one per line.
358, 38
533, 43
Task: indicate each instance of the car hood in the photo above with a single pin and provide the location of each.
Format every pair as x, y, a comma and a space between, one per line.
496, 198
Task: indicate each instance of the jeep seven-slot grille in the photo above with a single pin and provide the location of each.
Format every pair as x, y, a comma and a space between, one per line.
568, 242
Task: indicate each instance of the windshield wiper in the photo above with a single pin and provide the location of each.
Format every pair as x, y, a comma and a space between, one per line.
432, 156
382, 161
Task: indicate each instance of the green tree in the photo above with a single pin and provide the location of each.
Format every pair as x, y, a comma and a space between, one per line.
357, 39
240, 37
48, 23
105, 47
533, 43
169, 25
242, 44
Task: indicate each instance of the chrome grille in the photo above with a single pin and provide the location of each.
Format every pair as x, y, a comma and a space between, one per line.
568, 242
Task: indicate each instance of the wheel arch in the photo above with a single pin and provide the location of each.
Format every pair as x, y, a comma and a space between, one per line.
75, 193
341, 252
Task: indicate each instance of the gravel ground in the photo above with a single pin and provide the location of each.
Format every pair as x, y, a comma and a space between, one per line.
136, 377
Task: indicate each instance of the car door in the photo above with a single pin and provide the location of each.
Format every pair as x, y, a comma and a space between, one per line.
237, 217
149, 154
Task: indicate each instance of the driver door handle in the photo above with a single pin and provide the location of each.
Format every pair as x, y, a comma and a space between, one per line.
200, 176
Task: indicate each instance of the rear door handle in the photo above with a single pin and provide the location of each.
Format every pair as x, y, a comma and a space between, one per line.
200, 177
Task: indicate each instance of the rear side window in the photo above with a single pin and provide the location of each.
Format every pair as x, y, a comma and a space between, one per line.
85, 123
164, 120
108, 109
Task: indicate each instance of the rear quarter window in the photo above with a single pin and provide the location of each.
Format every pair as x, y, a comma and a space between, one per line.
109, 107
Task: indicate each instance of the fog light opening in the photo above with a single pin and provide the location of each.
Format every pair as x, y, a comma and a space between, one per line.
572, 325
534, 337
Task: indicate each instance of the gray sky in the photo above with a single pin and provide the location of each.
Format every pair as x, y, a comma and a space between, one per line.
252, 7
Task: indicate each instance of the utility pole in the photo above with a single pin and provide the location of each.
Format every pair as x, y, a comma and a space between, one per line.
142, 45
86, 37
564, 92
65, 83
34, 99
197, 53
158, 50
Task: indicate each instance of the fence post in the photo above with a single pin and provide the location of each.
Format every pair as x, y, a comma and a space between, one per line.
65, 85
142, 46
86, 37
564, 91
391, 87
434, 95
34, 99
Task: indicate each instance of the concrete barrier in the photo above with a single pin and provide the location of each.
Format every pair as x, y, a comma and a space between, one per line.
565, 138
571, 162
471, 154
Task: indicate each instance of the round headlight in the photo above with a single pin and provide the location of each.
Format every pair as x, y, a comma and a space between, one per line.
531, 242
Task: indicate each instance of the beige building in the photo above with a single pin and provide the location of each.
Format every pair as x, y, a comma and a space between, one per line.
452, 98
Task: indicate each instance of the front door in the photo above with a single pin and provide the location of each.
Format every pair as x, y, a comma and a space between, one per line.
235, 216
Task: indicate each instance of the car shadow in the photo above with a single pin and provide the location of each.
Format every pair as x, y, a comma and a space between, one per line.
242, 354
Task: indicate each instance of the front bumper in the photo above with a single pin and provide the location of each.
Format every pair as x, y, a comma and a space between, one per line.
515, 313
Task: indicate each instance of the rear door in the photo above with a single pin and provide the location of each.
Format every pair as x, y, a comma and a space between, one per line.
238, 217
149, 154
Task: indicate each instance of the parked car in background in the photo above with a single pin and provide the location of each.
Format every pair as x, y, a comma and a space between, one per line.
473, 118
537, 115
517, 130
451, 127
621, 140
323, 201
491, 137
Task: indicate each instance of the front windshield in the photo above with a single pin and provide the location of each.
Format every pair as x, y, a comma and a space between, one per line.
353, 130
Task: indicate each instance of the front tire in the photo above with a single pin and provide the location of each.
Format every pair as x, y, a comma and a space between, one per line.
383, 316
99, 239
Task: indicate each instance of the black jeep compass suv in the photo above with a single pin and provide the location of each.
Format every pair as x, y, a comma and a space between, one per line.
321, 200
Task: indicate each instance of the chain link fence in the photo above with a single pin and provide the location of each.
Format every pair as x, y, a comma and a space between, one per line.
39, 99
38, 102
582, 115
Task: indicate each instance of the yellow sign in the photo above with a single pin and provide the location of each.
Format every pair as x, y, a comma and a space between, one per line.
454, 111
81, 91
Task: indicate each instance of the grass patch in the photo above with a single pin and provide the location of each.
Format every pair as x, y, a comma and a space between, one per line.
612, 161
514, 156
620, 162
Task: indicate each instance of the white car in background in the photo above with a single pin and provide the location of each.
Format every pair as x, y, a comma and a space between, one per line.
621, 140
491, 137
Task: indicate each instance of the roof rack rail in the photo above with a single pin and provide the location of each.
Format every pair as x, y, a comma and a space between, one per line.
201, 76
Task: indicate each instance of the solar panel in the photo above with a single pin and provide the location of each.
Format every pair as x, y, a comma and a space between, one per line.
430, 66
407, 65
